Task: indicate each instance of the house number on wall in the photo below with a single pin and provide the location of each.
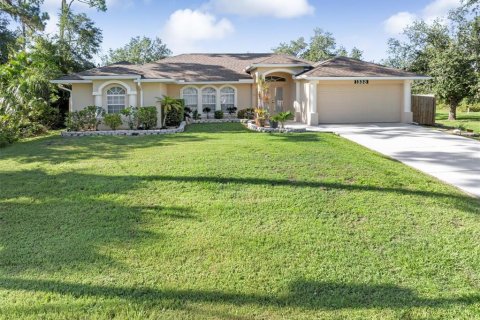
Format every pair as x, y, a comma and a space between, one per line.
361, 81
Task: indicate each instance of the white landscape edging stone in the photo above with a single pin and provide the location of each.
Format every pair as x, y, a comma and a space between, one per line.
252, 126
180, 128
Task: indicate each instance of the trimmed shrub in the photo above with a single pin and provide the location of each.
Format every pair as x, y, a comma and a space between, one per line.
113, 120
9, 131
147, 117
131, 114
248, 113
218, 114
86, 119
92, 117
74, 121
174, 116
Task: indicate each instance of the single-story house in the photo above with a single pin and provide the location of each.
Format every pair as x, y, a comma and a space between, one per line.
338, 90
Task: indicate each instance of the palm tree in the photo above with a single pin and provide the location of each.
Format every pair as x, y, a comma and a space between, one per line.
283, 117
169, 104
263, 92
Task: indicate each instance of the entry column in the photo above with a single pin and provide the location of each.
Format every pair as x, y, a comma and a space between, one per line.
312, 102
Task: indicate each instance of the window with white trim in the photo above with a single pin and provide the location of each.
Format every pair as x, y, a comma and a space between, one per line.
190, 96
115, 99
227, 98
209, 98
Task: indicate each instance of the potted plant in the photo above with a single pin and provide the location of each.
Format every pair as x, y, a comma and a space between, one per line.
207, 110
273, 122
261, 117
283, 117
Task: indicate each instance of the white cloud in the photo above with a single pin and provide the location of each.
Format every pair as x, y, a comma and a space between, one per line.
274, 8
186, 29
396, 23
437, 9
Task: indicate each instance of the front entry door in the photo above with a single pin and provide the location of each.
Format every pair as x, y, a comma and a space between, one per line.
277, 98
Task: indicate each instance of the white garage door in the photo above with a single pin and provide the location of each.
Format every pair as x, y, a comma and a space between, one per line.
353, 103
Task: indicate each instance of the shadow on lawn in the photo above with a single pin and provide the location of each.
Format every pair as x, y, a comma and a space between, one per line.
311, 295
84, 211
49, 222
460, 201
56, 149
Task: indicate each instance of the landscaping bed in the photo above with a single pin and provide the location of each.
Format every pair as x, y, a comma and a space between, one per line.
252, 126
179, 129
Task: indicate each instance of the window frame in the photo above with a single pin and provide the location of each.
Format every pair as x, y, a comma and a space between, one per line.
116, 104
182, 94
222, 94
214, 94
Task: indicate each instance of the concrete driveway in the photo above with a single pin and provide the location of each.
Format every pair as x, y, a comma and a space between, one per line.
453, 159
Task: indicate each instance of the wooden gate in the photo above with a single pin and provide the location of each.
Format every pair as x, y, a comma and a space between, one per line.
423, 109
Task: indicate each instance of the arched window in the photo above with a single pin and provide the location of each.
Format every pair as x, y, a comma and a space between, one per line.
190, 96
274, 79
209, 98
115, 99
227, 98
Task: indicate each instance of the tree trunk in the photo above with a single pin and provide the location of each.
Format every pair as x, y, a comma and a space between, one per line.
452, 115
62, 23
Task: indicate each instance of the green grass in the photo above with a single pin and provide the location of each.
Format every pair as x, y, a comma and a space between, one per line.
223, 223
469, 120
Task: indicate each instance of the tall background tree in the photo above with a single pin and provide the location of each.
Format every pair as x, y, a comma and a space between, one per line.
138, 50
322, 46
448, 50
29, 59
28, 14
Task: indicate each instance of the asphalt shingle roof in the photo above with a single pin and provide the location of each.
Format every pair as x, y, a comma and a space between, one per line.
192, 67
349, 67
232, 67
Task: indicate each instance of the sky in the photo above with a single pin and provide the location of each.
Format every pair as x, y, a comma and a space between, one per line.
239, 26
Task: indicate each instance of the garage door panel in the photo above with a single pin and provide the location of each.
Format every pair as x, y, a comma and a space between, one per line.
359, 103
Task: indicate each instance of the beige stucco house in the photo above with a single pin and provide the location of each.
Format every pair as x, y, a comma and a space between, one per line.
339, 90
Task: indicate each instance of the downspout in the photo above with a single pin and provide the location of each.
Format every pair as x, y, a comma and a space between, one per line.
70, 99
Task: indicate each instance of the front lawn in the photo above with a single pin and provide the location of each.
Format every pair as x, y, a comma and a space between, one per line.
223, 223
469, 120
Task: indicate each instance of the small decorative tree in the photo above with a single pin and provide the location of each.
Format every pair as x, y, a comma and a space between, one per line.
263, 92
231, 110
195, 115
207, 110
187, 113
